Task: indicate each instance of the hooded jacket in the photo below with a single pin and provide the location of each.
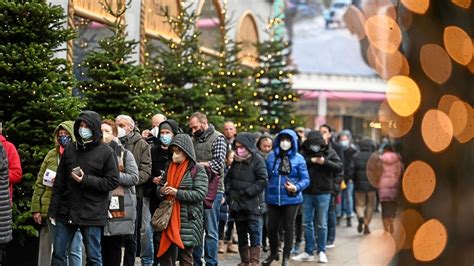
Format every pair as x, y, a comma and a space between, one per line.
276, 194
5, 203
358, 169
321, 176
14, 164
246, 180
85, 203
41, 193
191, 193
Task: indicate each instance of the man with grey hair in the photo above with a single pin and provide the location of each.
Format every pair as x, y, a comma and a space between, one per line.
155, 122
140, 149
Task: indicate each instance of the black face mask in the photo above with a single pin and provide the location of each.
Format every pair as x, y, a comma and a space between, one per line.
197, 134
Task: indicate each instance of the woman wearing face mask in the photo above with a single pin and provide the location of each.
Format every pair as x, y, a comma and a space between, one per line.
122, 218
63, 135
244, 183
186, 182
160, 156
287, 177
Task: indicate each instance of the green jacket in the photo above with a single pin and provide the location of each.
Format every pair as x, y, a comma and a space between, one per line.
42, 194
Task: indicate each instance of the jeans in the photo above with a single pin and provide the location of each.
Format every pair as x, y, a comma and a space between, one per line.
348, 199
278, 215
146, 234
250, 229
46, 243
211, 224
318, 204
332, 220
63, 239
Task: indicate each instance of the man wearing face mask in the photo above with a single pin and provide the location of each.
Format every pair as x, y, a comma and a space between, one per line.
210, 147
42, 190
87, 172
349, 150
152, 135
140, 149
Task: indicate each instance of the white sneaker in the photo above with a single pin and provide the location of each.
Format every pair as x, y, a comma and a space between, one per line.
330, 245
303, 257
322, 257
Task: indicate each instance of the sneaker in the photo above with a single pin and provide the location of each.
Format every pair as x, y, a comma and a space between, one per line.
295, 250
323, 258
303, 257
330, 245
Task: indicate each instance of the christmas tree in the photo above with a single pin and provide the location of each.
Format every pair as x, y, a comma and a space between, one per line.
35, 91
114, 85
234, 82
184, 73
274, 86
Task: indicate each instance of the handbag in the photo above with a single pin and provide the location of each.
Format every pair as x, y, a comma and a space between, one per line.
162, 215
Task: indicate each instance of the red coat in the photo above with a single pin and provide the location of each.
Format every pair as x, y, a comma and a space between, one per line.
14, 164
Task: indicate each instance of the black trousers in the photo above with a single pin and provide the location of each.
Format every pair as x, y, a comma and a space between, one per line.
281, 216
111, 250
173, 254
299, 226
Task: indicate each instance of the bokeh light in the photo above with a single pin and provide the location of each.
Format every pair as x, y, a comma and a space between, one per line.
383, 33
405, 18
435, 62
355, 21
411, 220
371, 52
468, 129
462, 3
379, 7
458, 44
392, 124
388, 65
378, 248
458, 113
374, 169
405, 71
419, 182
445, 103
430, 240
403, 95
437, 130
417, 6
470, 66
399, 234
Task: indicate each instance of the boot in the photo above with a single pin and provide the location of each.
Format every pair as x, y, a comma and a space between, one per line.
244, 256
254, 256
366, 230
361, 225
349, 222
270, 258
221, 247
285, 261
231, 248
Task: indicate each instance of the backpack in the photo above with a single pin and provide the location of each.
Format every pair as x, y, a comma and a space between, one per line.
212, 184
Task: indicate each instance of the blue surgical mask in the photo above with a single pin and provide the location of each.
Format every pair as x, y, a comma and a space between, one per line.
85, 133
64, 140
344, 143
165, 139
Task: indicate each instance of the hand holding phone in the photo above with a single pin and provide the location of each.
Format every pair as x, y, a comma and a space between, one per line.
77, 174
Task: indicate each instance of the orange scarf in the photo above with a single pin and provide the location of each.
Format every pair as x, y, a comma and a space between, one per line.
172, 234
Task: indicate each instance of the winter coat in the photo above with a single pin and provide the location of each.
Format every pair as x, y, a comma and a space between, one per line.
5, 203
358, 169
390, 179
321, 176
141, 152
276, 194
85, 203
190, 194
41, 193
246, 180
127, 180
14, 165
348, 155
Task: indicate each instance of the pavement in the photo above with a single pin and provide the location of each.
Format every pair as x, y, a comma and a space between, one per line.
351, 247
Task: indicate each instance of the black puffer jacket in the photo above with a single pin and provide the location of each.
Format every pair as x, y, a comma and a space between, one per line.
358, 169
85, 203
321, 176
5, 204
246, 180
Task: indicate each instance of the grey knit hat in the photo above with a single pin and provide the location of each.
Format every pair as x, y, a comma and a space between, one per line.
185, 143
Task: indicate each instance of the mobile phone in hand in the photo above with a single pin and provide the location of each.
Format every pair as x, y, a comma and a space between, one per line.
77, 171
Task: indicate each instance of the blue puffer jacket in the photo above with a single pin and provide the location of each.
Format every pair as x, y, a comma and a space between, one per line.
276, 193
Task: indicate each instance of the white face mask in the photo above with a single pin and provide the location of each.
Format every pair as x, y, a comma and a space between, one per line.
285, 145
155, 132
178, 157
121, 132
